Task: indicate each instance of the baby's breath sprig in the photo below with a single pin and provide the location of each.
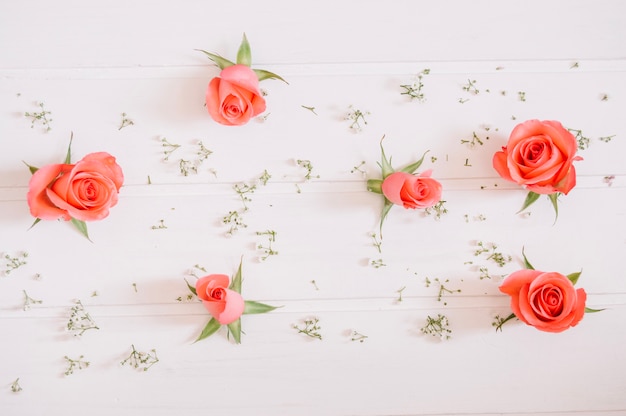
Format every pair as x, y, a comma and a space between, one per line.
235, 220
169, 148
265, 176
357, 117
28, 301
141, 360
499, 321
77, 364
306, 164
14, 262
243, 190
490, 248
470, 87
378, 263
41, 117
203, 152
15, 386
399, 292
311, 109
80, 320
267, 250
125, 122
377, 243
439, 209
358, 167
314, 283
160, 226
606, 139
521, 95
357, 336
474, 140
414, 90
187, 166
608, 179
186, 298
437, 327
311, 328
443, 290
195, 270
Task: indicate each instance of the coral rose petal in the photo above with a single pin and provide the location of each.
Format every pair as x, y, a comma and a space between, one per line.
241, 76
233, 308
392, 186
210, 281
39, 203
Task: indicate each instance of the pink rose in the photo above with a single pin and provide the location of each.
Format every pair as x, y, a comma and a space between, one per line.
412, 191
234, 98
539, 155
84, 191
224, 304
547, 301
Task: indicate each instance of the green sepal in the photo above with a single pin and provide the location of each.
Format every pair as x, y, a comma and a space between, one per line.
375, 185
589, 310
191, 288
35, 222
573, 277
211, 327
31, 168
526, 262
68, 156
263, 74
253, 307
530, 198
386, 207
555, 203
80, 226
414, 166
385, 165
234, 328
221, 62
244, 54
236, 283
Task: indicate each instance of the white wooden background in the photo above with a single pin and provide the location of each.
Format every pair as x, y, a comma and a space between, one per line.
88, 62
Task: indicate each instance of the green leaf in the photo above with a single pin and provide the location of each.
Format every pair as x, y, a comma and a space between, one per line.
234, 328
385, 211
236, 283
414, 166
555, 203
375, 185
191, 288
530, 198
80, 226
589, 310
31, 168
526, 262
35, 222
211, 327
68, 156
253, 307
217, 60
385, 164
263, 74
244, 54
573, 277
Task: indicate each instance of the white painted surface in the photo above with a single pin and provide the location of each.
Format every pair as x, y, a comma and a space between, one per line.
89, 63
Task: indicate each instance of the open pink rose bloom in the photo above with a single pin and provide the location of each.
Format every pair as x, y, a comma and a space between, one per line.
224, 304
539, 156
84, 191
545, 300
412, 191
234, 97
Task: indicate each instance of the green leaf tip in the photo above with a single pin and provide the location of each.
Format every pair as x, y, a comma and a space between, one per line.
191, 288
234, 328
263, 74
573, 277
236, 282
589, 310
81, 226
211, 327
526, 262
414, 166
254, 307
385, 164
218, 60
244, 54
31, 168
68, 156
531, 197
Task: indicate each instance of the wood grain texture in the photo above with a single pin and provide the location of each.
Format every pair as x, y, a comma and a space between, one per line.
89, 63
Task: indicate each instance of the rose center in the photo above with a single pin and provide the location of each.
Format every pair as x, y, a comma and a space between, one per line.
549, 302
217, 293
